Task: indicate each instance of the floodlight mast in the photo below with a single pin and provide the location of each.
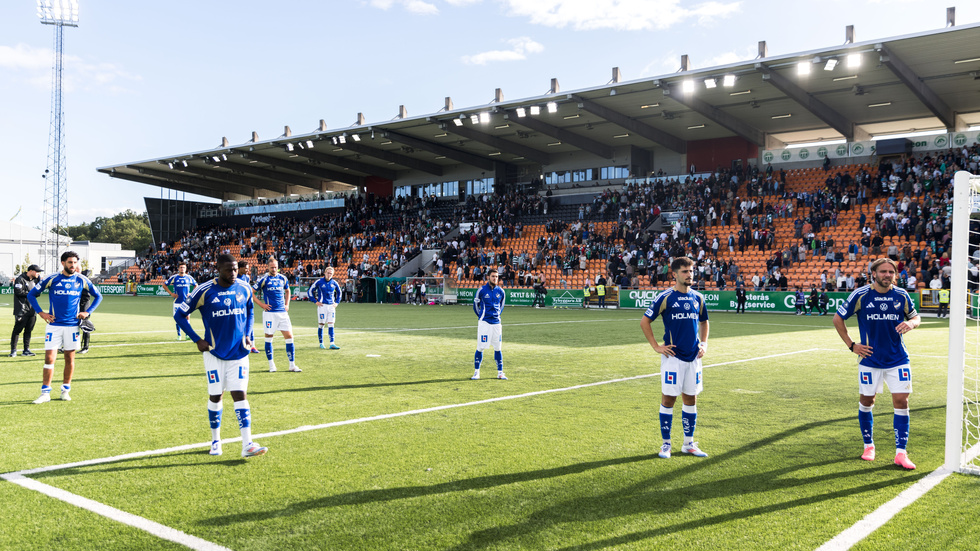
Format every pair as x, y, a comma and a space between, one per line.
59, 14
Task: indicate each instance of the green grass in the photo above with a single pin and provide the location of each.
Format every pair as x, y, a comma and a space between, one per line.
566, 470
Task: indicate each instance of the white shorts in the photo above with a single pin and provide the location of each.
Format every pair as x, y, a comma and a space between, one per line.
65, 338
326, 314
899, 380
488, 334
230, 375
276, 321
680, 377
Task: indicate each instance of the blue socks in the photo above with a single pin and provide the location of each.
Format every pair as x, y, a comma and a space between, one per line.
319, 334
867, 421
901, 429
666, 422
478, 358
290, 351
499, 358
330, 333
268, 349
689, 418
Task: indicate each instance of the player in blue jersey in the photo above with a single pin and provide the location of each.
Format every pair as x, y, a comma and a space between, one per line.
243, 276
685, 319
325, 292
64, 292
885, 313
274, 288
182, 285
488, 305
226, 308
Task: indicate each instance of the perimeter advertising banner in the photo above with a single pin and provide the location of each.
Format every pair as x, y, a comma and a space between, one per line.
114, 289
567, 298
755, 301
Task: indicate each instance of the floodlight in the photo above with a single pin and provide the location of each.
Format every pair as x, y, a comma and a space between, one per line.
728, 81
535, 110
687, 86
458, 122
185, 163
224, 157
289, 146
831, 63
853, 60
216, 159
803, 68
309, 144
475, 119
342, 138
484, 118
552, 107
356, 137
58, 12
521, 112
710, 83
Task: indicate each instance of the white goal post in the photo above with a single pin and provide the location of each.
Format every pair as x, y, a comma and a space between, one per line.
438, 290
963, 383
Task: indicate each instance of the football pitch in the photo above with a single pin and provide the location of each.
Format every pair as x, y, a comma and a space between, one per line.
387, 444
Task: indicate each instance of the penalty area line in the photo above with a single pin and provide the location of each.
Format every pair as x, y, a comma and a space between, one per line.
129, 519
876, 519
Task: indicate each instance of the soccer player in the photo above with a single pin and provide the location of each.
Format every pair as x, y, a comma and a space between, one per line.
226, 308
275, 301
325, 292
488, 305
24, 316
182, 285
685, 318
243, 275
885, 313
64, 291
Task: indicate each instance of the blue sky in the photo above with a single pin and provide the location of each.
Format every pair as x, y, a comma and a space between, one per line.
162, 78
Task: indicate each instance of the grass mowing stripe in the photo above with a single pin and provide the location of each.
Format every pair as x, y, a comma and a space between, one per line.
863, 528
307, 428
157, 529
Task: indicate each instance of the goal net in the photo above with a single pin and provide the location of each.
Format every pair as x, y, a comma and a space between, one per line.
963, 384
438, 290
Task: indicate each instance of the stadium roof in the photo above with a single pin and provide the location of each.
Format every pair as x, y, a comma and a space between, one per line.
925, 81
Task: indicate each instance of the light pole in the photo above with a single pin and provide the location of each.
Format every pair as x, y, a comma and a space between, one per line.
59, 13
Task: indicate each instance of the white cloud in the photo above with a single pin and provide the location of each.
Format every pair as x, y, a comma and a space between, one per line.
418, 7
729, 57
624, 15
33, 65
519, 48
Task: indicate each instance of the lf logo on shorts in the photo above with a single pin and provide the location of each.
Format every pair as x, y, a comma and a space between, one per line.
47, 337
697, 378
213, 376
865, 377
904, 374
670, 377
483, 338
268, 325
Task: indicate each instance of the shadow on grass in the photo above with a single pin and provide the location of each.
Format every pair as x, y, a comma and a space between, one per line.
647, 497
123, 465
352, 387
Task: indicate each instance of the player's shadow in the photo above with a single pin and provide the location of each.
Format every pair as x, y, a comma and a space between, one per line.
124, 465
353, 387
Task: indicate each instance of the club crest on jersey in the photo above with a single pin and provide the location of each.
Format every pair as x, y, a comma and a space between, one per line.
687, 305
883, 306
240, 297
897, 306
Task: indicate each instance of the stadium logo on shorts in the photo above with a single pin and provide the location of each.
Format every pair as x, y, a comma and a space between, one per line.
865, 378
904, 374
670, 377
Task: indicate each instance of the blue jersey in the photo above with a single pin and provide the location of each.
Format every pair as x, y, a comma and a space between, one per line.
273, 289
227, 314
64, 294
246, 278
878, 315
489, 303
182, 286
682, 314
325, 291
800, 298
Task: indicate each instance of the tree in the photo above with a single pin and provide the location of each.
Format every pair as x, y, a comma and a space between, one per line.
128, 228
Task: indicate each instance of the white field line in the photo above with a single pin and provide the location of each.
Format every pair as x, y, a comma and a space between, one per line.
170, 534
157, 529
863, 528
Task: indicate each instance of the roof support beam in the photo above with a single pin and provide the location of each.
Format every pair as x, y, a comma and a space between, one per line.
206, 181
819, 109
303, 167
276, 175
460, 156
712, 113
643, 130
565, 136
205, 191
351, 164
395, 158
925, 94
228, 178
506, 146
